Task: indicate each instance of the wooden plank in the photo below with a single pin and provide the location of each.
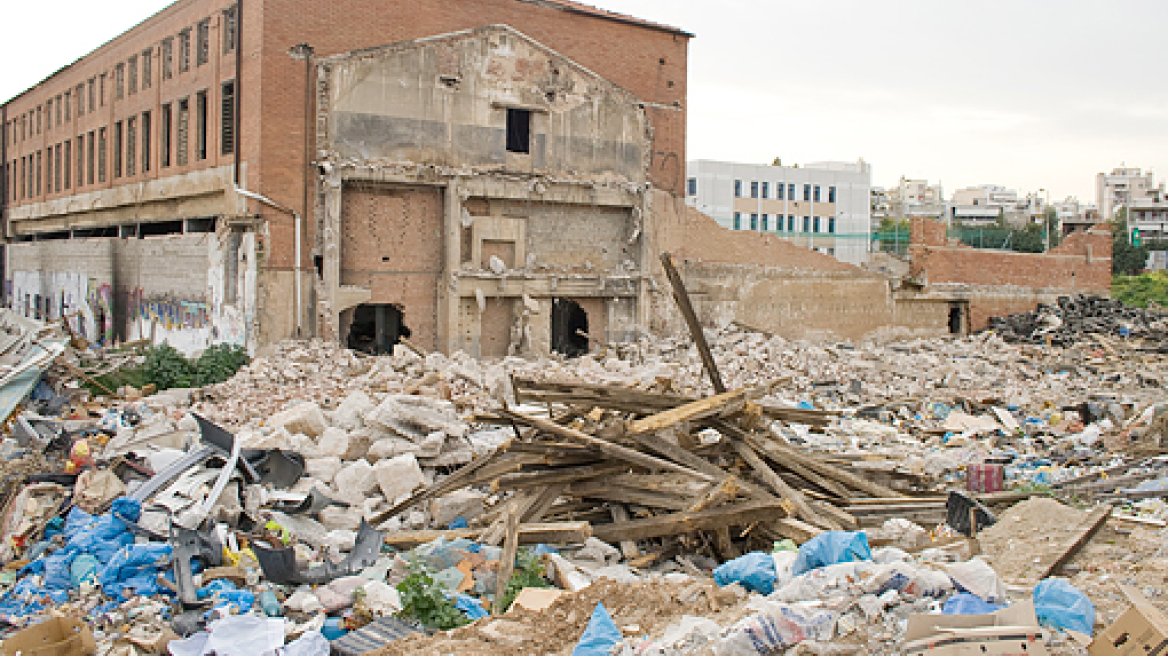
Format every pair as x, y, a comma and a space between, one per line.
801, 508
543, 502
548, 532
678, 523
604, 446
507, 566
719, 404
792, 528
833, 487
784, 453
718, 495
624, 494
1089, 528
628, 547
836, 514
549, 476
691, 320
519, 504
457, 480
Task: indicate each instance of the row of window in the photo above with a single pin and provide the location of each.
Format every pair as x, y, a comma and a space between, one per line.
82, 160
783, 191
90, 95
810, 223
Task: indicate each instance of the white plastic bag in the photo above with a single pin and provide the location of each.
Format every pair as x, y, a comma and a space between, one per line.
776, 627
978, 578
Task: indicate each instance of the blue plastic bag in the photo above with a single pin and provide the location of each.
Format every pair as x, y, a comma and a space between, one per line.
831, 548
56, 570
135, 567
105, 536
964, 603
600, 636
76, 521
469, 606
84, 569
1060, 605
755, 571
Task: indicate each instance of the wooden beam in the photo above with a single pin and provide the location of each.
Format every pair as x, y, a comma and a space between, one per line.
691, 320
801, 508
682, 522
507, 566
1088, 529
784, 453
718, 495
628, 547
560, 475
626, 494
609, 449
548, 532
459, 479
719, 405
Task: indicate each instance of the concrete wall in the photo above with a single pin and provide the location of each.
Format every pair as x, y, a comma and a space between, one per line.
179, 289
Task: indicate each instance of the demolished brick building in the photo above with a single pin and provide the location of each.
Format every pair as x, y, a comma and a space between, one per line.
492, 188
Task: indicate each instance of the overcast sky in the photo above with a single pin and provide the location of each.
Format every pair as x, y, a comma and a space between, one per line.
1025, 93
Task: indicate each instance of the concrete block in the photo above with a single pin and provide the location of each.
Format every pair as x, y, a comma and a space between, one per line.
333, 442
304, 418
399, 476
351, 410
324, 469
467, 504
354, 481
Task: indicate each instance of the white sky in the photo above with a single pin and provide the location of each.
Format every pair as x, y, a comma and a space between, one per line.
1025, 93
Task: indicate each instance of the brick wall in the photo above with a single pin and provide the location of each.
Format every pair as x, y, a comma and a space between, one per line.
998, 283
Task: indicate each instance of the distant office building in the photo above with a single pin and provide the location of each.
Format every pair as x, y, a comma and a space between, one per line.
1120, 187
823, 205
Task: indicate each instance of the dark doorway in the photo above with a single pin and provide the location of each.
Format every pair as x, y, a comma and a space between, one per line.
956, 319
569, 328
519, 130
376, 328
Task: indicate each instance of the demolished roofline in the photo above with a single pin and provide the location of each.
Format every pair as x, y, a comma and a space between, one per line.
590, 11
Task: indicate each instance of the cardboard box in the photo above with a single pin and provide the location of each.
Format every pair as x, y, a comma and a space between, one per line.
59, 636
1142, 629
1008, 632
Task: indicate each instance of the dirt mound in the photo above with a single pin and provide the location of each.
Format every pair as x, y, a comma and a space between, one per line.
1025, 532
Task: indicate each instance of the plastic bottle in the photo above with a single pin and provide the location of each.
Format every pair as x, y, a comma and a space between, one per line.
269, 603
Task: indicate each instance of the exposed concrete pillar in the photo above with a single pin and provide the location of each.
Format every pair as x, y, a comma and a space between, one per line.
448, 300
330, 308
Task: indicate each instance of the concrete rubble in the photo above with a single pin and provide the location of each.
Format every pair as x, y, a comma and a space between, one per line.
398, 504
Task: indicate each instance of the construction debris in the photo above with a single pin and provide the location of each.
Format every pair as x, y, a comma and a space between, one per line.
1076, 318
335, 501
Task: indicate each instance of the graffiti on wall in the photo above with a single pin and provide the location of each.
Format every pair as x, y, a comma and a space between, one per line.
101, 306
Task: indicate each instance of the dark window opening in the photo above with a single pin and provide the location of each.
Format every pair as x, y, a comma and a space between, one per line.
518, 131
956, 320
376, 328
94, 233
569, 328
159, 229
130, 230
318, 264
206, 224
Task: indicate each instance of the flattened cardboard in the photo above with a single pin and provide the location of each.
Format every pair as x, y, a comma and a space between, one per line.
1012, 630
59, 636
1142, 629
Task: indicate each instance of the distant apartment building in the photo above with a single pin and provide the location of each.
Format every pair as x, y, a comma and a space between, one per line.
823, 205
1149, 214
1074, 216
1120, 188
908, 198
986, 204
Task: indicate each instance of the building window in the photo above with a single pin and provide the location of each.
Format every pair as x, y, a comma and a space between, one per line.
766, 222
738, 189
831, 225
184, 50
518, 130
90, 155
49, 111
101, 90
145, 141
203, 42
133, 81
779, 189
38, 173
737, 220
92, 94
201, 125
229, 28
766, 189
167, 58
790, 223
806, 192
806, 224
80, 162
831, 194
131, 146
79, 92
119, 81
754, 189
68, 106
101, 154
40, 116
791, 191
754, 222
227, 118
67, 163
147, 68
119, 143
56, 164
692, 187
183, 132
59, 110
164, 137
817, 193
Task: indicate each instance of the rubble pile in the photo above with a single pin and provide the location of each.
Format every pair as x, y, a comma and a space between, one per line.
810, 495
1073, 318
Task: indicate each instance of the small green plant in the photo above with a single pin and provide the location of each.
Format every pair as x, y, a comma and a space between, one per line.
529, 574
218, 363
167, 368
424, 601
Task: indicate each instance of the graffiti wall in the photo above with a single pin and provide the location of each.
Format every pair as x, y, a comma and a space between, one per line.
190, 291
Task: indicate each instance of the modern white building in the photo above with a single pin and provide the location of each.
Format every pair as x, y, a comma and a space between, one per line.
822, 205
1150, 215
1120, 188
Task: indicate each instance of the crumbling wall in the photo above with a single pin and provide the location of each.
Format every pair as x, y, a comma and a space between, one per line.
997, 283
172, 289
773, 285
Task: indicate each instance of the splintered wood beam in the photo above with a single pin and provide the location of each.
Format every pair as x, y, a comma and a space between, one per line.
802, 508
608, 491
547, 532
786, 454
628, 547
1087, 530
691, 320
609, 449
540, 506
548, 476
719, 405
510, 547
720, 494
685, 522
